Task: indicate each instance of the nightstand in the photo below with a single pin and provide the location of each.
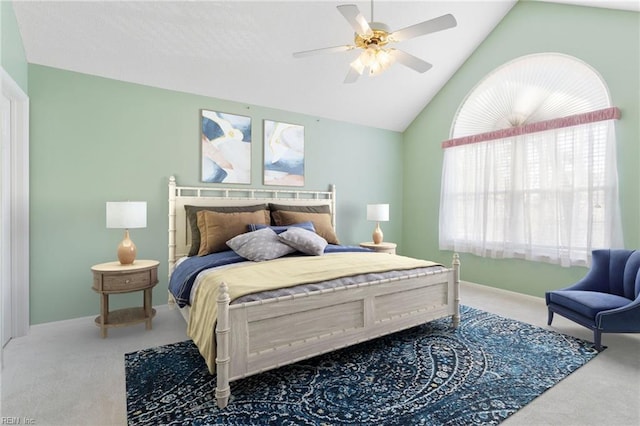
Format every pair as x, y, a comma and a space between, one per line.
113, 278
383, 247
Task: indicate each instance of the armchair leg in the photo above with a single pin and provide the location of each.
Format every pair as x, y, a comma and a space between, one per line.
550, 317
597, 339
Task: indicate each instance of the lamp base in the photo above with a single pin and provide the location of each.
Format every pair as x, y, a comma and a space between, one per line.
127, 250
377, 234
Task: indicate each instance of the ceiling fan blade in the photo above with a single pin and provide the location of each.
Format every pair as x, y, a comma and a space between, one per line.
353, 16
352, 75
323, 50
410, 61
437, 24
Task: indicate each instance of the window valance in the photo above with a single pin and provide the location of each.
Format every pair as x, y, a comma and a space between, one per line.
556, 123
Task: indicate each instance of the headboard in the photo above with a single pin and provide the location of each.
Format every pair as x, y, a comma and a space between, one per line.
179, 196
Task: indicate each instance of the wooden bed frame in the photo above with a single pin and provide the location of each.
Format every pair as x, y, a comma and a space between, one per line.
257, 336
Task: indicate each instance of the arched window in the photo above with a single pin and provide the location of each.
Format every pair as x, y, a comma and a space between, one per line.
530, 171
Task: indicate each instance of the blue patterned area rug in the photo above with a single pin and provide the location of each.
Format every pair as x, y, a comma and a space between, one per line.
481, 373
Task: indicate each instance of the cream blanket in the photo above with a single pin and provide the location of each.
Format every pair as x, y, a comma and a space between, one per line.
254, 277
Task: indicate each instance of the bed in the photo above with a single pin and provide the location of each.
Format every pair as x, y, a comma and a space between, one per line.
249, 316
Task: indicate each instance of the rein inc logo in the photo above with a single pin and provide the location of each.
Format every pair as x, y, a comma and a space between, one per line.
17, 421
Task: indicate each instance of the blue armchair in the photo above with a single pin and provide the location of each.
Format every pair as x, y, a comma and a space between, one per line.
607, 299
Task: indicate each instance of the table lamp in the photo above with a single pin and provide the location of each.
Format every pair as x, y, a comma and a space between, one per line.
379, 213
126, 215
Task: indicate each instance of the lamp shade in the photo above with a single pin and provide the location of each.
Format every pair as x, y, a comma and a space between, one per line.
126, 214
378, 212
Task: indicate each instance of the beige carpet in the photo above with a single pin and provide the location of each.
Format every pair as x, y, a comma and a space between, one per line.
64, 374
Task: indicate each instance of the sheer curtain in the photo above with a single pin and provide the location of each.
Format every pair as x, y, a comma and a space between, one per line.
544, 192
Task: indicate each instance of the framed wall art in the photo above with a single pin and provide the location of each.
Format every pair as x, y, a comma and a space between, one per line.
226, 147
283, 154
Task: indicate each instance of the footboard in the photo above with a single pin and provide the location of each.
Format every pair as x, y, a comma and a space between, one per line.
257, 336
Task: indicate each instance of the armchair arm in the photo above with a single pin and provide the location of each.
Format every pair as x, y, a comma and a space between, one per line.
620, 320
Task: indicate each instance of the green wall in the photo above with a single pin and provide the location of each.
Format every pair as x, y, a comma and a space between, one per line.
608, 40
12, 56
95, 140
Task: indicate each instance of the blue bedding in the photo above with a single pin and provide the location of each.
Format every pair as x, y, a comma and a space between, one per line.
184, 276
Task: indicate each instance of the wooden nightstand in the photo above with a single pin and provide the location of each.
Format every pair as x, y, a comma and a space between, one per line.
111, 278
381, 248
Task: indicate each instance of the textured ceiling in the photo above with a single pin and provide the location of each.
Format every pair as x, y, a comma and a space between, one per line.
242, 51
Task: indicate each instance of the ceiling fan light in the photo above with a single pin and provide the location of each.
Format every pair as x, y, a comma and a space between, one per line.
376, 69
384, 58
368, 56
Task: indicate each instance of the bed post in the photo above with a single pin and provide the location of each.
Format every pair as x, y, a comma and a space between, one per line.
456, 290
333, 205
172, 223
223, 391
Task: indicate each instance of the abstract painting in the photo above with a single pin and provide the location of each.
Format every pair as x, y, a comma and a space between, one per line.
226, 147
283, 154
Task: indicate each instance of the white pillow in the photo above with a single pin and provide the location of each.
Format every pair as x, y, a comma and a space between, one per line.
303, 240
259, 245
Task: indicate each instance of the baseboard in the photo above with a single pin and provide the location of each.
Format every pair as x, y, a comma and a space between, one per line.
500, 290
87, 319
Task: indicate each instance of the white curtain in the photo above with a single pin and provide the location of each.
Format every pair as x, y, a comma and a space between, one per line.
546, 196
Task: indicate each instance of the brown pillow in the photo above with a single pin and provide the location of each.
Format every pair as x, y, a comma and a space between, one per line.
193, 220
324, 208
216, 228
321, 221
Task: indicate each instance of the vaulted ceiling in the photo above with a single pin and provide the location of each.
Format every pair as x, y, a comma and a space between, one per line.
242, 51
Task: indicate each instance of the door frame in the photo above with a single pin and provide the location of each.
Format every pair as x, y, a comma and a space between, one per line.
19, 204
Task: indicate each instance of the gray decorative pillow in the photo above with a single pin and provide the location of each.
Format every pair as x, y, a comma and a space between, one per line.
303, 240
260, 245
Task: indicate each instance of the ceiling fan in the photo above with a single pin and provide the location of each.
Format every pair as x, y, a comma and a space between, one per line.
373, 39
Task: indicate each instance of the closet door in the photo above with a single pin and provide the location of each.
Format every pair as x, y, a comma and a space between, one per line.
14, 210
5, 220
